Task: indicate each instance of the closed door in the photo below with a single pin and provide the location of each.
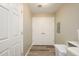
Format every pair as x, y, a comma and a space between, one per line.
4, 41
9, 31
43, 30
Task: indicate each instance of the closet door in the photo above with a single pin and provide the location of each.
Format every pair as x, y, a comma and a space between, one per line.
43, 30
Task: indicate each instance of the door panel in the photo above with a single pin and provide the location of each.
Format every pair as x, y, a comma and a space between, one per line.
5, 53
15, 50
4, 41
43, 30
3, 23
13, 28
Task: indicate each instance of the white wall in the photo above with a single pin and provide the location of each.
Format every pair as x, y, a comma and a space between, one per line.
68, 16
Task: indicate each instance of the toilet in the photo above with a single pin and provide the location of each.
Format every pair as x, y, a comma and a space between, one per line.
60, 50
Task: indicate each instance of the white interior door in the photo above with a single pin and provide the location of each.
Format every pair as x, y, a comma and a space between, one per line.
10, 44
43, 30
4, 41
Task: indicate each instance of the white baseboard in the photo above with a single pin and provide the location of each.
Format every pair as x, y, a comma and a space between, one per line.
28, 50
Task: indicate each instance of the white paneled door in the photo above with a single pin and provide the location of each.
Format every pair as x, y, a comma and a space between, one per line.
43, 30
10, 41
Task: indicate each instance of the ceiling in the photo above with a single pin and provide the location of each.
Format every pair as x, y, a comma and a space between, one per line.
44, 8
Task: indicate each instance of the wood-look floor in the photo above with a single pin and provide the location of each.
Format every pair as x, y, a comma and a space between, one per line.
42, 50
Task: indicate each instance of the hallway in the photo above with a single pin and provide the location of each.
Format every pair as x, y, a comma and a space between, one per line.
39, 29
42, 50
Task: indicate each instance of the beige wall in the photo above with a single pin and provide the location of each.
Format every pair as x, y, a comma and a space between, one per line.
27, 28
68, 16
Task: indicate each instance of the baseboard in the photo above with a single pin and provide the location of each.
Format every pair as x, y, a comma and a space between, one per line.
28, 50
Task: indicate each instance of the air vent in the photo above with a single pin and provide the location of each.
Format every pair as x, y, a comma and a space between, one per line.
39, 6
42, 5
